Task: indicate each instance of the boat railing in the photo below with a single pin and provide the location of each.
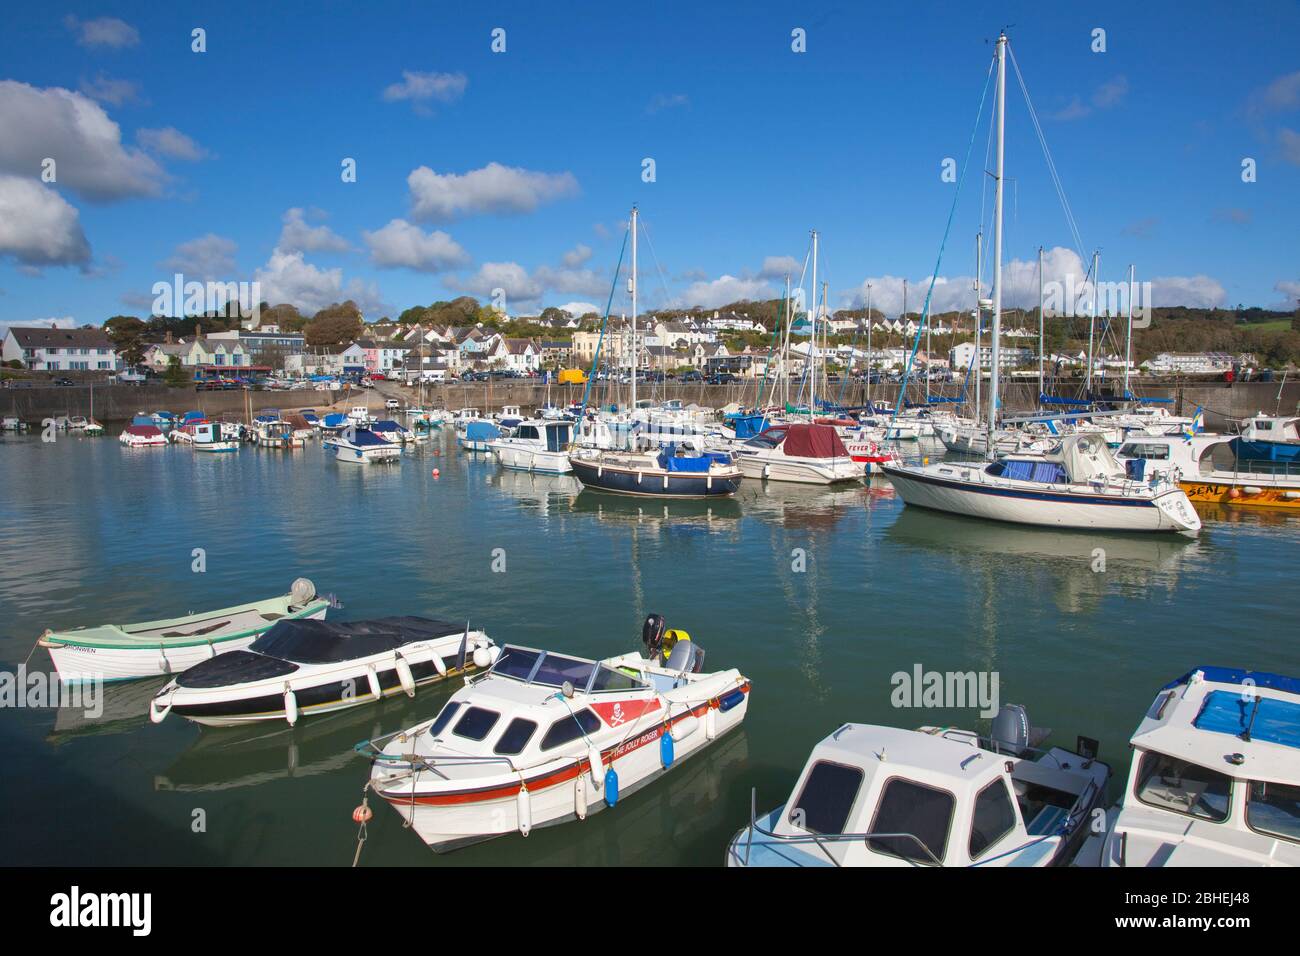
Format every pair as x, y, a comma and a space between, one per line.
995, 747
821, 840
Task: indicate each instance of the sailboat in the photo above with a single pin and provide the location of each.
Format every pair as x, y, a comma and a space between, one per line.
650, 468
1079, 484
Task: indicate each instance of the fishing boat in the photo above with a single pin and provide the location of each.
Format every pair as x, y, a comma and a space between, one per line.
361, 446
303, 668
272, 431
535, 445
1215, 777
360, 415
1268, 438
543, 738
208, 438
1207, 469
871, 795
478, 435
129, 651
142, 436
808, 454
1078, 485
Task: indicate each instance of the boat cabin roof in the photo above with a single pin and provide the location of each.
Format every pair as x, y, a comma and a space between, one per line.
541, 668
1245, 724
952, 760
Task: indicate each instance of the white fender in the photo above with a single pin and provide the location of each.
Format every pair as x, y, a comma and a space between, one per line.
482, 659
290, 705
405, 676
164, 666
372, 678
525, 811
711, 723
597, 767
494, 652
159, 715
438, 664
684, 727
580, 797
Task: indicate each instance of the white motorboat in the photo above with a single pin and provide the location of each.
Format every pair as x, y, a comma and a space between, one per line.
938, 796
477, 435
208, 437
301, 668
1208, 470
361, 446
535, 445
1215, 778
394, 432
150, 648
809, 454
544, 738
142, 436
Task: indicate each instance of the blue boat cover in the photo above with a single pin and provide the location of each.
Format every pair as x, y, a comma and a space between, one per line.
365, 438
691, 463
1267, 718
1045, 472
1136, 468
336, 419
384, 426
482, 431
747, 426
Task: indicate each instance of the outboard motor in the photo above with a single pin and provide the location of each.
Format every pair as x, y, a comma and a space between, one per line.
687, 657
652, 634
301, 592
1010, 730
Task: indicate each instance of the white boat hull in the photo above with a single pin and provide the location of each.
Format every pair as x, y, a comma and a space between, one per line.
522, 458
807, 471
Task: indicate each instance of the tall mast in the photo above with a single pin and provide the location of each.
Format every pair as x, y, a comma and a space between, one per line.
1128, 339
631, 286
1040, 320
869, 324
979, 318
785, 344
1092, 324
812, 341
995, 354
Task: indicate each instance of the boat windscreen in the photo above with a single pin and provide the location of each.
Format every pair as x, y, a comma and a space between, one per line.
322, 642
554, 670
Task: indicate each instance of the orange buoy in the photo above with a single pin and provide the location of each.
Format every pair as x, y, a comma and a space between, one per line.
362, 814
1234, 493
436, 472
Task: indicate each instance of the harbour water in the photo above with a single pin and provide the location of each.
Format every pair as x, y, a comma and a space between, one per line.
819, 596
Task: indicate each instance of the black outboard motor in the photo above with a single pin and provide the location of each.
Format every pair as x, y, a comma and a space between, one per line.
652, 634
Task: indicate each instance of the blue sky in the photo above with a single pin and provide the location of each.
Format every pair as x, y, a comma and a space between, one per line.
228, 162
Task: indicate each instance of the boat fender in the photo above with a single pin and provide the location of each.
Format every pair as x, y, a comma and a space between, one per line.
439, 664
157, 714
580, 797
597, 766
525, 807
731, 700
666, 750
493, 653
711, 722
482, 658
290, 705
164, 666
611, 787
404, 675
684, 727
372, 679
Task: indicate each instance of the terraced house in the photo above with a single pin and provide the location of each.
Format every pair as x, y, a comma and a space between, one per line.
60, 350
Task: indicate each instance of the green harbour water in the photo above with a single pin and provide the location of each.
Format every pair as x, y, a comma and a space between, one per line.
818, 595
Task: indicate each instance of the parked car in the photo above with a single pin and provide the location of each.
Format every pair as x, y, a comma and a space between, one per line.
692, 376
64, 381
392, 403
722, 378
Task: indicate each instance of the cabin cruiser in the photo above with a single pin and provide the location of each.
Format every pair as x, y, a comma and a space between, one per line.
1077, 485
509, 416
938, 796
543, 738
460, 421
272, 431
360, 415
477, 435
535, 445
810, 454
361, 446
307, 667
1268, 438
207, 437
1207, 470
657, 472
142, 436
394, 432
1215, 778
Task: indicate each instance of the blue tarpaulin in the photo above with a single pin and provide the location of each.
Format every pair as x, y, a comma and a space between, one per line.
1267, 718
482, 431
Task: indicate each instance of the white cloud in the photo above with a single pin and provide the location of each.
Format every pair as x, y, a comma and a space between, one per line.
1195, 291
286, 277
573, 281
298, 235
208, 257
38, 227
104, 31
1109, 94
521, 289
438, 197
577, 309
1289, 140
112, 91
1279, 96
778, 267
419, 88
665, 101
576, 256
1290, 295
723, 290
78, 135
169, 141
401, 245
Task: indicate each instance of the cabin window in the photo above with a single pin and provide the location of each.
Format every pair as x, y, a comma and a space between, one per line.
516, 736
1172, 784
993, 819
476, 723
1274, 808
912, 808
609, 679
827, 798
1143, 450
444, 718
569, 728
515, 662
527, 431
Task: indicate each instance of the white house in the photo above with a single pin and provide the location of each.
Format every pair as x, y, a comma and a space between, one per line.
60, 350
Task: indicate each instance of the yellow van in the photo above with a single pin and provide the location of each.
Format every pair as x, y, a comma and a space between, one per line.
574, 376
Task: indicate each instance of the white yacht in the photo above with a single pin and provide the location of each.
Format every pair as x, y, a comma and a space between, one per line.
809, 454
1215, 779
535, 445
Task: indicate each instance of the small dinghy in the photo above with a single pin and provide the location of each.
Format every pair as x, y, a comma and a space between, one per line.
939, 796
543, 738
311, 667
152, 648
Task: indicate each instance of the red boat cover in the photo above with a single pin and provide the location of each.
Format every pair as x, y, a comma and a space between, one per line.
814, 441
144, 431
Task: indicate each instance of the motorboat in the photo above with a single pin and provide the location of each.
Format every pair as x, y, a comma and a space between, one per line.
360, 415
209, 438
150, 648
1268, 438
142, 436
869, 452
361, 446
658, 472
974, 440
535, 445
1215, 777
11, 423
871, 795
477, 435
542, 738
1078, 485
272, 431
305, 667
809, 454
1207, 469
392, 431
